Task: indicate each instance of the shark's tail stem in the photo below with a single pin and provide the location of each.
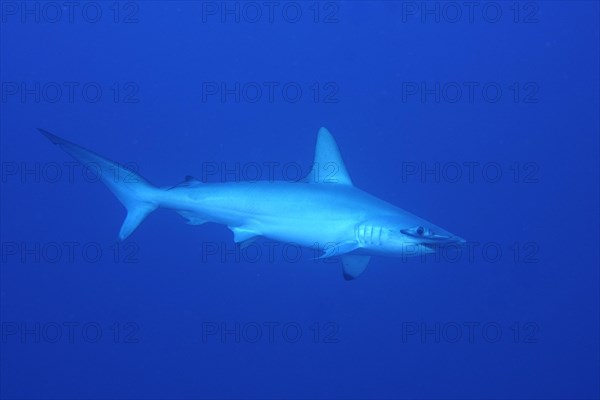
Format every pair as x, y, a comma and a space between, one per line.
136, 194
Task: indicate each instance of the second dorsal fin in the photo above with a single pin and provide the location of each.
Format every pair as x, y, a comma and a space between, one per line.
189, 181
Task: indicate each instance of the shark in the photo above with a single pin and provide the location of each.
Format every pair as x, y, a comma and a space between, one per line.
323, 208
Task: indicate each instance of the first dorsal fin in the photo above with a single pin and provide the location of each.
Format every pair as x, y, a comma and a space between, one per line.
328, 166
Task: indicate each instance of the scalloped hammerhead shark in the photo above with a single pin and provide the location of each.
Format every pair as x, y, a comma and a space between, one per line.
324, 208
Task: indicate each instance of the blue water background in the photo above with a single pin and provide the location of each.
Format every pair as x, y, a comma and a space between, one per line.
541, 293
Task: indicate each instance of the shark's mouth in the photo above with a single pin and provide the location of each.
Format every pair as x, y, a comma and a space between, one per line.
439, 245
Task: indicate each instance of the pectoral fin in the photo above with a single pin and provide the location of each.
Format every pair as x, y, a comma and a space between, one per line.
354, 265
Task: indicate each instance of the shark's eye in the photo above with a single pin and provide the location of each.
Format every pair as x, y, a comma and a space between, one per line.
420, 230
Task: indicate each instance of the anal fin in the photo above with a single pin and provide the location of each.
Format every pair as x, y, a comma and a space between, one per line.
192, 218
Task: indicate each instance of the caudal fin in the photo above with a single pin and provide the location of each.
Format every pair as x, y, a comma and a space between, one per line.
136, 194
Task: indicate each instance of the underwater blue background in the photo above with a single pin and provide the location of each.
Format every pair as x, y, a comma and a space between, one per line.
157, 316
